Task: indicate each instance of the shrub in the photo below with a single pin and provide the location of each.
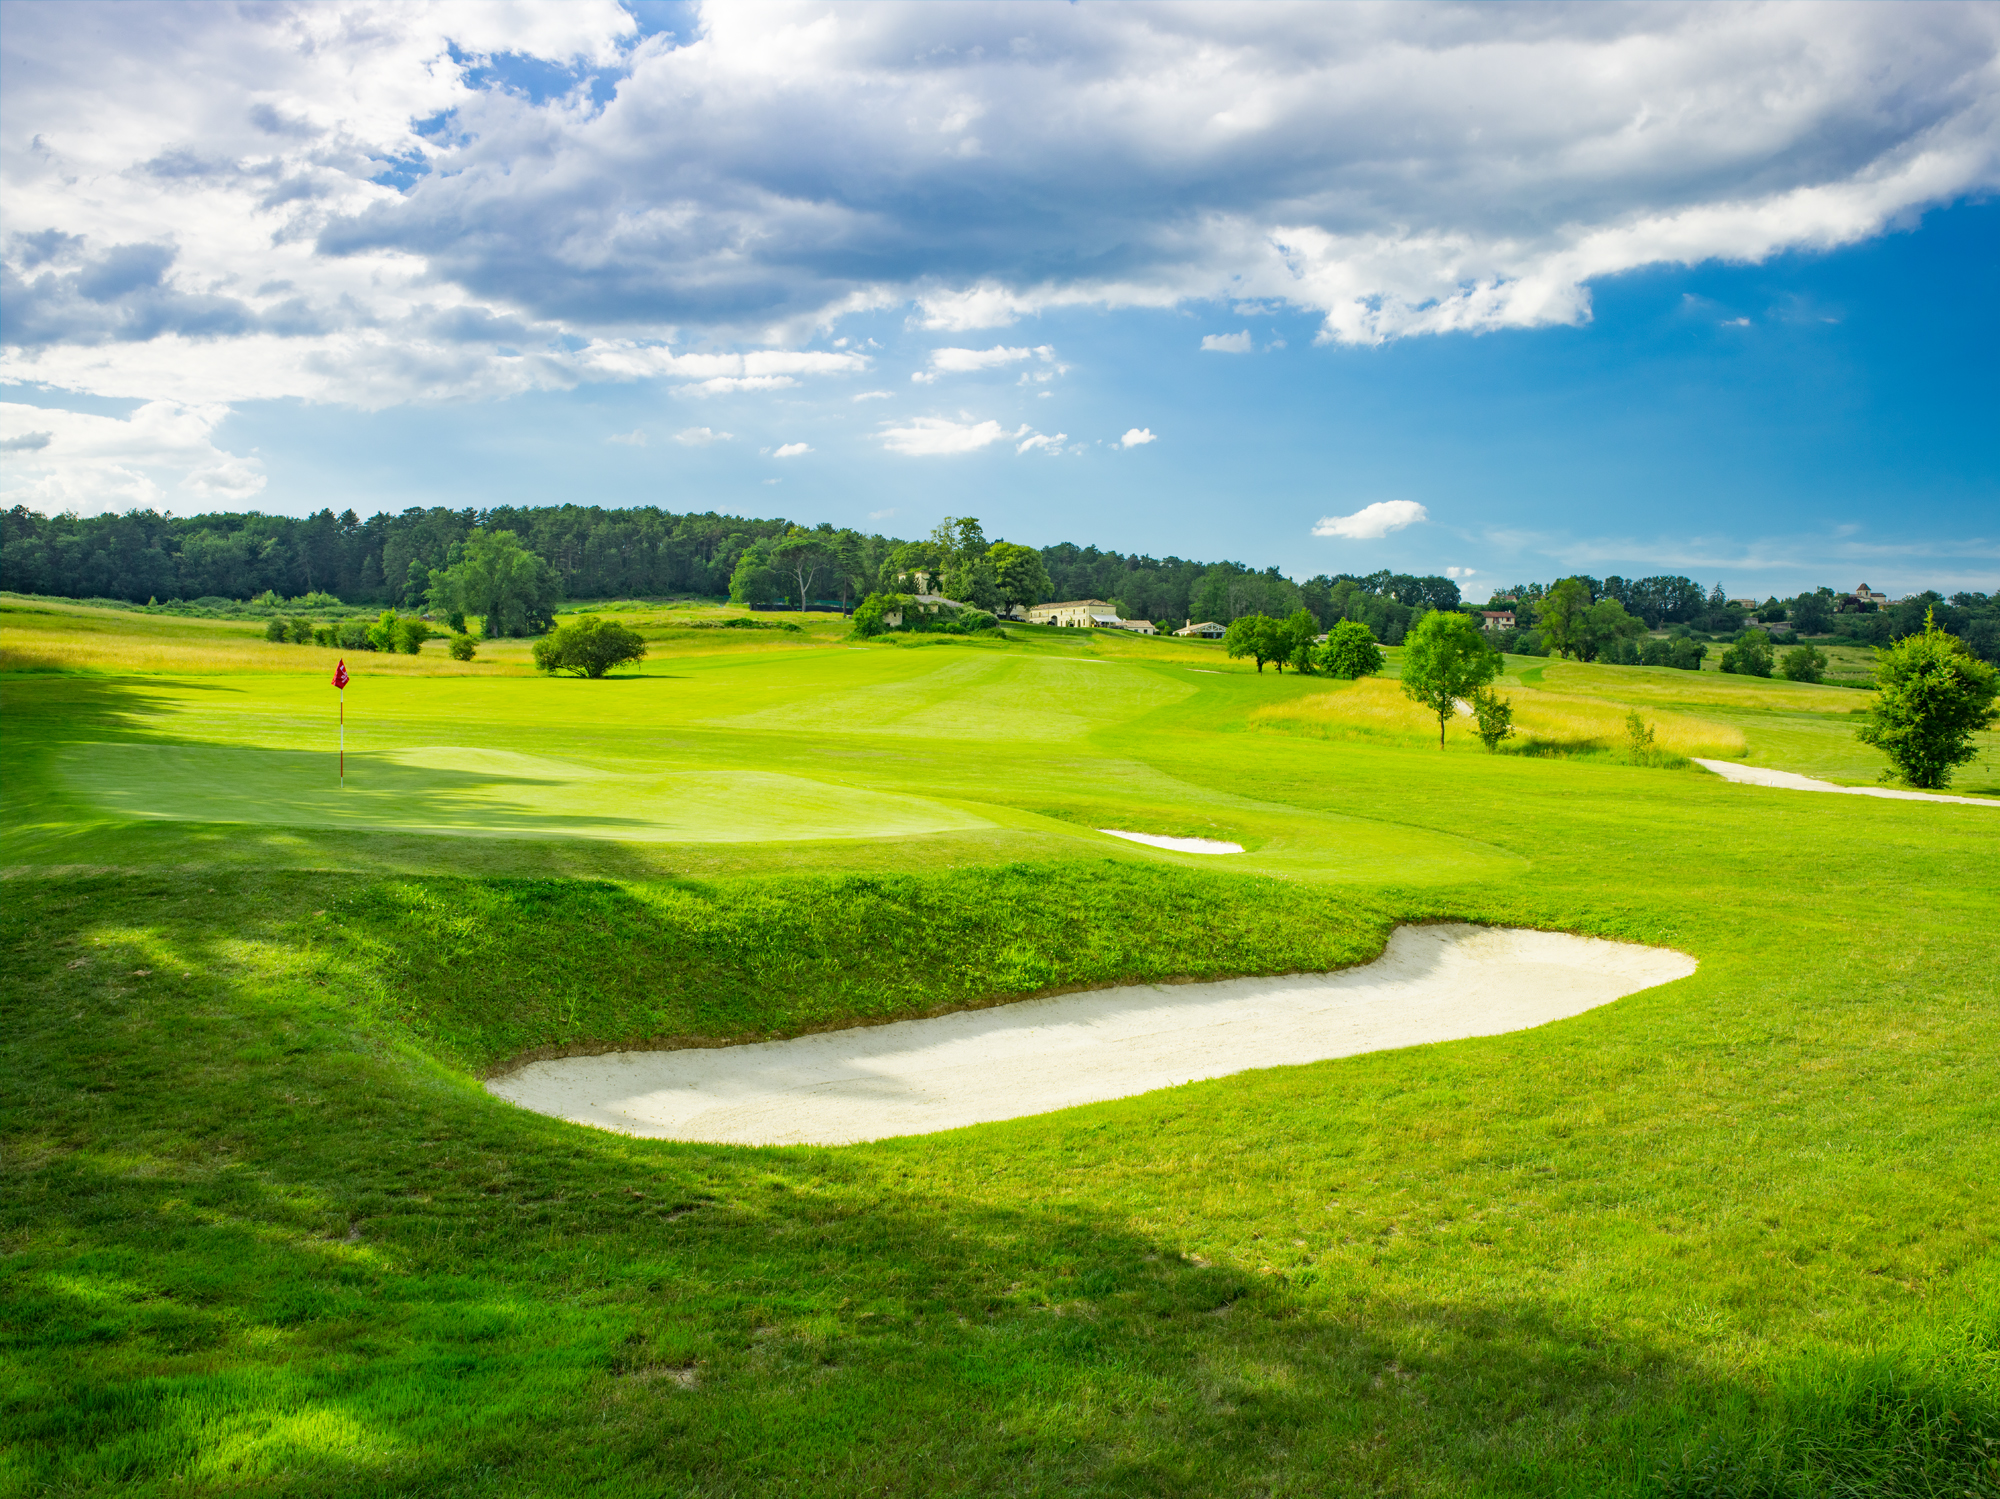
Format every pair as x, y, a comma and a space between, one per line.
588, 647
1349, 652
1492, 717
302, 632
410, 635
462, 647
1804, 663
1932, 695
326, 635
1751, 656
354, 635
277, 630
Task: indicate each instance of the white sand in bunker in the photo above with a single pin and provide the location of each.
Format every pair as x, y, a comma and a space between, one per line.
1785, 780
1434, 983
1178, 845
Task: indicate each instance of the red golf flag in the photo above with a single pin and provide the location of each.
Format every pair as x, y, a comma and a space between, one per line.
340, 674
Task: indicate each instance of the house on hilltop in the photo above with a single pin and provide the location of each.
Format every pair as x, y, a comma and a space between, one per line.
1496, 619
1079, 614
1208, 629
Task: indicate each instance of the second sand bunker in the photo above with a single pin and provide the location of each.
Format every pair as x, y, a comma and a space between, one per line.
1434, 983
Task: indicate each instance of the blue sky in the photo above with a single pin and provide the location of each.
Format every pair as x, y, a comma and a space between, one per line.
1467, 305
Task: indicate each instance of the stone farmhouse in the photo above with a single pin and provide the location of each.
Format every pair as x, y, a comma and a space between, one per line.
1087, 614
1496, 619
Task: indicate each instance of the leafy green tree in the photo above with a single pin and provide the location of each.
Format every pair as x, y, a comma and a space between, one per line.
1296, 639
513, 590
462, 647
1751, 656
972, 579
1931, 696
803, 558
753, 580
1605, 623
1022, 576
1350, 651
301, 631
1812, 613
1252, 635
410, 635
588, 647
277, 630
1492, 717
1446, 659
1686, 653
382, 634
1803, 663
1560, 617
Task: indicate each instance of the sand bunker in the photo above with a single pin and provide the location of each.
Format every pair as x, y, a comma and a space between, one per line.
1753, 775
1178, 845
1434, 983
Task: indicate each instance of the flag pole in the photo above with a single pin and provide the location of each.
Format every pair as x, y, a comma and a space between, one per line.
340, 685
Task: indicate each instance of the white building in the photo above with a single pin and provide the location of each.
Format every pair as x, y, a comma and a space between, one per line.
1208, 629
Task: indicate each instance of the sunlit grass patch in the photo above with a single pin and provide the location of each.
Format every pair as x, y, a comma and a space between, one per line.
1546, 722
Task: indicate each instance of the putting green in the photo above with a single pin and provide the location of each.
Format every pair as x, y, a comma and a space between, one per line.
496, 793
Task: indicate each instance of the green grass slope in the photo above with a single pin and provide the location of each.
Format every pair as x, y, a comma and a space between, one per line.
263, 1232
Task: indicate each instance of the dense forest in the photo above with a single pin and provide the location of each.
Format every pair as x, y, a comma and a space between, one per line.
595, 553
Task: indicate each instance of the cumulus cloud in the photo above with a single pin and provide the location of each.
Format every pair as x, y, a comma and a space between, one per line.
1460, 572
73, 460
1137, 437
930, 436
1372, 522
793, 450
1226, 343
1050, 445
699, 437
342, 201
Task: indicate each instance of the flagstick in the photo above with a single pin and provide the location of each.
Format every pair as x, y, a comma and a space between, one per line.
343, 739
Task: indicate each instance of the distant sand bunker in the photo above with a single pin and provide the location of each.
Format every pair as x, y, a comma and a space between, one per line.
1434, 983
1178, 845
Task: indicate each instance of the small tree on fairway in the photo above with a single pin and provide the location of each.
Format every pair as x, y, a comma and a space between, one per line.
1492, 717
1350, 651
1252, 636
1446, 658
1803, 663
1297, 635
588, 647
1932, 695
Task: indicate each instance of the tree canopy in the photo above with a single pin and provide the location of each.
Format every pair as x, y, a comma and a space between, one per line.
1931, 696
1446, 660
514, 591
588, 646
1350, 651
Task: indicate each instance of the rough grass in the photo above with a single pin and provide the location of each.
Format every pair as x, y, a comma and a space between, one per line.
1545, 722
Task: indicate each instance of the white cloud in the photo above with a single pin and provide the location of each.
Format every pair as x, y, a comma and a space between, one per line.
1226, 343
966, 361
636, 438
1137, 437
700, 437
793, 450
1051, 445
210, 204
729, 385
1372, 522
70, 460
929, 436
874, 395
1460, 572
882, 514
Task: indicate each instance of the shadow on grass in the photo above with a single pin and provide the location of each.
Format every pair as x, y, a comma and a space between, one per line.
255, 1244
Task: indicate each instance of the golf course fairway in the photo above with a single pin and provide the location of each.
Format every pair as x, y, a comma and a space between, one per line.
264, 1230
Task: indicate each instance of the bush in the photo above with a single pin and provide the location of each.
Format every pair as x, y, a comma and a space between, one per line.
277, 630
1492, 717
326, 635
410, 635
1932, 695
1804, 663
1751, 656
588, 647
354, 635
1349, 652
462, 647
302, 632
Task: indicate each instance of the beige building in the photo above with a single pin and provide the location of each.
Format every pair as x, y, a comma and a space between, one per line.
1208, 629
1497, 619
1080, 614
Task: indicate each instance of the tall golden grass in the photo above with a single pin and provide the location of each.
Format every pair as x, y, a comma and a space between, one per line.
1546, 722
